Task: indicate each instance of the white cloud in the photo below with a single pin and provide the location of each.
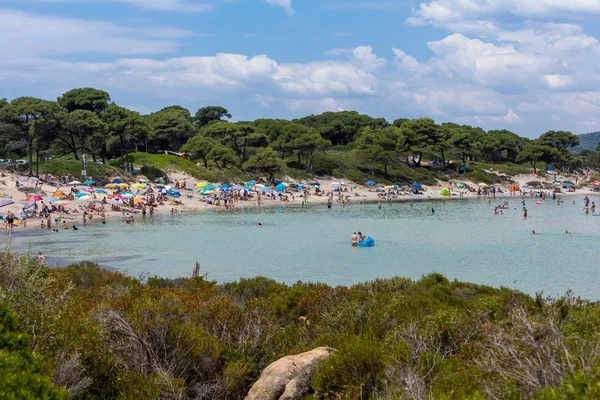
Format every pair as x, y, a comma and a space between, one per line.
194, 6
409, 64
285, 4
28, 36
445, 12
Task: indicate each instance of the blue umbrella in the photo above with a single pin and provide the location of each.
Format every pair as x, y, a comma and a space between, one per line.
224, 187
568, 185
251, 183
550, 168
280, 188
417, 185
89, 182
116, 181
371, 183
300, 187
209, 187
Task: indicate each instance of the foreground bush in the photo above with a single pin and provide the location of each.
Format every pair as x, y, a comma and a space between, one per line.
105, 335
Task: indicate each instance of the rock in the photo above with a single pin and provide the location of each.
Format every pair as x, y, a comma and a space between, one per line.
289, 377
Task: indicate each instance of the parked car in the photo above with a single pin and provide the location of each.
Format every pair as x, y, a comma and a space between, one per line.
21, 162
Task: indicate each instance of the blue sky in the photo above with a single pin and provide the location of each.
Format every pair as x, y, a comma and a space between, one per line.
527, 66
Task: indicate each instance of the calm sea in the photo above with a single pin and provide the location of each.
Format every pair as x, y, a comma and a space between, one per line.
463, 240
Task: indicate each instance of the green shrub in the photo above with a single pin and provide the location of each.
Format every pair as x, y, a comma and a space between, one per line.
20, 368
357, 363
151, 172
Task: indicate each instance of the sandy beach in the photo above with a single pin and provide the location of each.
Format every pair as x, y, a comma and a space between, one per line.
355, 192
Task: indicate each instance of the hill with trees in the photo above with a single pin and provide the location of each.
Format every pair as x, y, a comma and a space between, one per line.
344, 144
588, 141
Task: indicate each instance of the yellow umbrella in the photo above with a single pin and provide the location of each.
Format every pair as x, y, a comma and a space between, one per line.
139, 185
111, 185
483, 185
122, 184
202, 184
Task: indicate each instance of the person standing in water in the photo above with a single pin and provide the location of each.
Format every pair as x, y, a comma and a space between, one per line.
524, 212
354, 240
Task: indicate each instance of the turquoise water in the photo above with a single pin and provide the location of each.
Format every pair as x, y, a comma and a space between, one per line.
463, 240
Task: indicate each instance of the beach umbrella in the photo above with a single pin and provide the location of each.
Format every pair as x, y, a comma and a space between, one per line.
89, 182
370, 183
514, 187
417, 185
73, 183
202, 184
251, 183
556, 184
116, 202
243, 191
100, 191
259, 186
50, 200
6, 202
62, 202
143, 180
139, 186
116, 181
300, 187
111, 185
86, 198
207, 191
58, 194
447, 187
237, 187
405, 187
34, 198
27, 204
209, 187
224, 187
571, 178
127, 194
280, 188
568, 185
460, 185
550, 168
596, 183
445, 192
483, 185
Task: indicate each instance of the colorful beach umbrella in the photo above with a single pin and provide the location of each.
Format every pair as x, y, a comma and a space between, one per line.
280, 188
51, 200
417, 185
370, 183
209, 187
73, 183
111, 185
138, 185
116, 181
127, 194
34, 198
89, 182
460, 185
202, 184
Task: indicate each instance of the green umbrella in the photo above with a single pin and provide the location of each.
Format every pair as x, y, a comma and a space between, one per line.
460, 185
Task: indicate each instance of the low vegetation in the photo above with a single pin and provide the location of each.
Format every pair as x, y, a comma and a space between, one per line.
99, 334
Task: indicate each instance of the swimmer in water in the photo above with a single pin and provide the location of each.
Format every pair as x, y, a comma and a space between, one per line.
75, 228
259, 225
534, 232
432, 210
354, 240
379, 205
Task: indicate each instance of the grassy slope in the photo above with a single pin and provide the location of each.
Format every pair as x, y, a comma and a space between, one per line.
99, 172
170, 163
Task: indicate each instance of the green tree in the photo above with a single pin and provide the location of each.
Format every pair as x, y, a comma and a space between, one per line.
199, 147
21, 369
239, 137
265, 161
560, 140
465, 141
533, 152
34, 119
340, 128
89, 99
206, 115
90, 129
380, 146
126, 129
420, 135
170, 128
309, 144
222, 156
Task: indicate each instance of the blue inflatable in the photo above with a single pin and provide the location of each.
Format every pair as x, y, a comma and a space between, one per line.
368, 242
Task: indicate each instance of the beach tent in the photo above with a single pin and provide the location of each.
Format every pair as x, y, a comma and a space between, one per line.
460, 185
417, 185
445, 192
514, 187
336, 185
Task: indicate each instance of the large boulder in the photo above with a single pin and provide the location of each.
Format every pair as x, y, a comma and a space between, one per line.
289, 377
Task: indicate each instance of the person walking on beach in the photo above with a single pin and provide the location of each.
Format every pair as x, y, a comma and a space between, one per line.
10, 220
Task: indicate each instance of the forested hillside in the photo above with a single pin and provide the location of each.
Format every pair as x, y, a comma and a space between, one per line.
588, 141
345, 144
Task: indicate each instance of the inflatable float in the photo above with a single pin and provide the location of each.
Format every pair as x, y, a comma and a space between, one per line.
368, 242
538, 202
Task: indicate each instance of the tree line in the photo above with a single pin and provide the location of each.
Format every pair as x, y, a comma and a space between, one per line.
86, 121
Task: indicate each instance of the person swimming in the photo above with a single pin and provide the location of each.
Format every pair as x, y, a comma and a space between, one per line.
75, 228
259, 225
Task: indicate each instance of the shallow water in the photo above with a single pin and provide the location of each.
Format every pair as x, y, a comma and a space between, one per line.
463, 240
